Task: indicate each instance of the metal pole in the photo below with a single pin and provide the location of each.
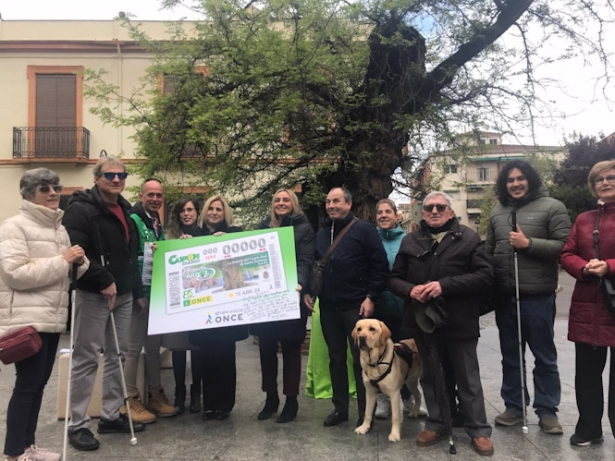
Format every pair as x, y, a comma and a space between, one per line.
133, 440
73, 298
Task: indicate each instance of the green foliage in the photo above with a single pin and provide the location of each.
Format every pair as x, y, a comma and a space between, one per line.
322, 93
570, 179
576, 198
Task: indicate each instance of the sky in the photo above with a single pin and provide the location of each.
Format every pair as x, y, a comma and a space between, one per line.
581, 101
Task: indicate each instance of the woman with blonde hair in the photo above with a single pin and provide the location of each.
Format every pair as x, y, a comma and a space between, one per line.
217, 345
290, 334
589, 256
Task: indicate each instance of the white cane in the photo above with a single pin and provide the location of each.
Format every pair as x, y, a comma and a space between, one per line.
73, 297
521, 361
133, 440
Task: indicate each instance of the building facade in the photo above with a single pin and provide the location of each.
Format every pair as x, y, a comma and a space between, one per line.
45, 118
468, 172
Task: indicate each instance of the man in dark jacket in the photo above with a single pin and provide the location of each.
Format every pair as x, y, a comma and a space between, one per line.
98, 221
541, 228
445, 261
354, 276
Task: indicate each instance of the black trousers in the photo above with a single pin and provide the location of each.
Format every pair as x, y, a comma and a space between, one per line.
25, 404
590, 362
337, 328
291, 361
179, 369
217, 359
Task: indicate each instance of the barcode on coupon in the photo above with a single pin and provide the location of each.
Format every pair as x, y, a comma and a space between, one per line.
173, 289
275, 267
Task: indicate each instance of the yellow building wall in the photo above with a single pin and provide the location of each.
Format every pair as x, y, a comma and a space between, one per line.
123, 69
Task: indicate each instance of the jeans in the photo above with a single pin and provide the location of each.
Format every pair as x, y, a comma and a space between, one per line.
537, 318
25, 404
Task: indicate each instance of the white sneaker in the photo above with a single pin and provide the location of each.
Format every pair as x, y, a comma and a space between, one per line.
40, 454
383, 407
407, 406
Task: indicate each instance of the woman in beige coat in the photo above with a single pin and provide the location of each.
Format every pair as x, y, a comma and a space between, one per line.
35, 263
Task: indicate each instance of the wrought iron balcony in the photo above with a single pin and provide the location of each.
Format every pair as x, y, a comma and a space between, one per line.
51, 142
475, 203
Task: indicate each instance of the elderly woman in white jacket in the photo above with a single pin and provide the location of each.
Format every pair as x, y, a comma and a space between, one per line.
35, 263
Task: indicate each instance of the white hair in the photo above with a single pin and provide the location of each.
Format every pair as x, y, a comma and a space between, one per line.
441, 194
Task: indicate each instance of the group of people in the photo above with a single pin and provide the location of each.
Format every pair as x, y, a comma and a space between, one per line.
443, 267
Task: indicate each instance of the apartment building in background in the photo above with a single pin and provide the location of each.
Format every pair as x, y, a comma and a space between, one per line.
45, 119
468, 172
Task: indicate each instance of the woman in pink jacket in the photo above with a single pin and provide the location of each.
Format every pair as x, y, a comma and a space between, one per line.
591, 327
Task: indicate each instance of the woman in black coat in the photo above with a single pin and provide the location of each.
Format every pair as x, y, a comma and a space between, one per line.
217, 345
285, 211
183, 224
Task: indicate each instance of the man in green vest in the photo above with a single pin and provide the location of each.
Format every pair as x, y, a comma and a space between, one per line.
146, 217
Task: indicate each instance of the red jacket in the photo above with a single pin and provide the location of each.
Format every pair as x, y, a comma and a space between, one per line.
589, 321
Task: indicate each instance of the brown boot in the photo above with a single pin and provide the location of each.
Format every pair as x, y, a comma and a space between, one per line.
158, 403
427, 438
138, 412
483, 446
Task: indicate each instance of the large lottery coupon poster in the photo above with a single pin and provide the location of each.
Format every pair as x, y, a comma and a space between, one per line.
233, 279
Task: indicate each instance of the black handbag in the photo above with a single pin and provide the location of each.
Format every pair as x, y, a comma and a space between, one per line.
318, 267
606, 285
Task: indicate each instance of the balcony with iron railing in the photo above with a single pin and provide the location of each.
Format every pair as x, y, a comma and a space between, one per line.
475, 203
52, 143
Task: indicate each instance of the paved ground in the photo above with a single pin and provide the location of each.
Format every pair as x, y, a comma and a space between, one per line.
243, 437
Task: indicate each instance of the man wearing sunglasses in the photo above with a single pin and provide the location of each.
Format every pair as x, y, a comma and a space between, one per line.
98, 220
535, 226
444, 263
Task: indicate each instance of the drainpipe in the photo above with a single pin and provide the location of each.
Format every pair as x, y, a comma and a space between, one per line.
120, 140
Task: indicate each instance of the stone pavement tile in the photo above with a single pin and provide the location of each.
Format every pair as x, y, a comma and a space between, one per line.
243, 438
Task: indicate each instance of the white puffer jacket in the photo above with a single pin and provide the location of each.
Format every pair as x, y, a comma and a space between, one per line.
34, 277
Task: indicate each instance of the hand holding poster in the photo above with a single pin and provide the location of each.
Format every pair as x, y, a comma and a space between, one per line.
233, 279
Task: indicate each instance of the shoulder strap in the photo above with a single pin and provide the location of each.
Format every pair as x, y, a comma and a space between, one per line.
596, 234
337, 240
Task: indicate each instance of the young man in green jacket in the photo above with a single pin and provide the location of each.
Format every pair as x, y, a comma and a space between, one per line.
541, 227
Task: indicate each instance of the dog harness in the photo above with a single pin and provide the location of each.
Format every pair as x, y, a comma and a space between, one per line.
400, 349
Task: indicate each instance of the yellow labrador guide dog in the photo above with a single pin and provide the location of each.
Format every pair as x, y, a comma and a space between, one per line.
387, 370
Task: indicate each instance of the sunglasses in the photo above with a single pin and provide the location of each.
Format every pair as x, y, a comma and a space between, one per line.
439, 207
57, 188
111, 176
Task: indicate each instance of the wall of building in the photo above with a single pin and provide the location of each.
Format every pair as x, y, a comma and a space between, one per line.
90, 44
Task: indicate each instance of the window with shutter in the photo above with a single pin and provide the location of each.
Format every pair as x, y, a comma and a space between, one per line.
56, 115
56, 112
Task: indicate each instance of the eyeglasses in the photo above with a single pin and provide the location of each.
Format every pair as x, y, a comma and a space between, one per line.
610, 179
111, 176
45, 189
439, 207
